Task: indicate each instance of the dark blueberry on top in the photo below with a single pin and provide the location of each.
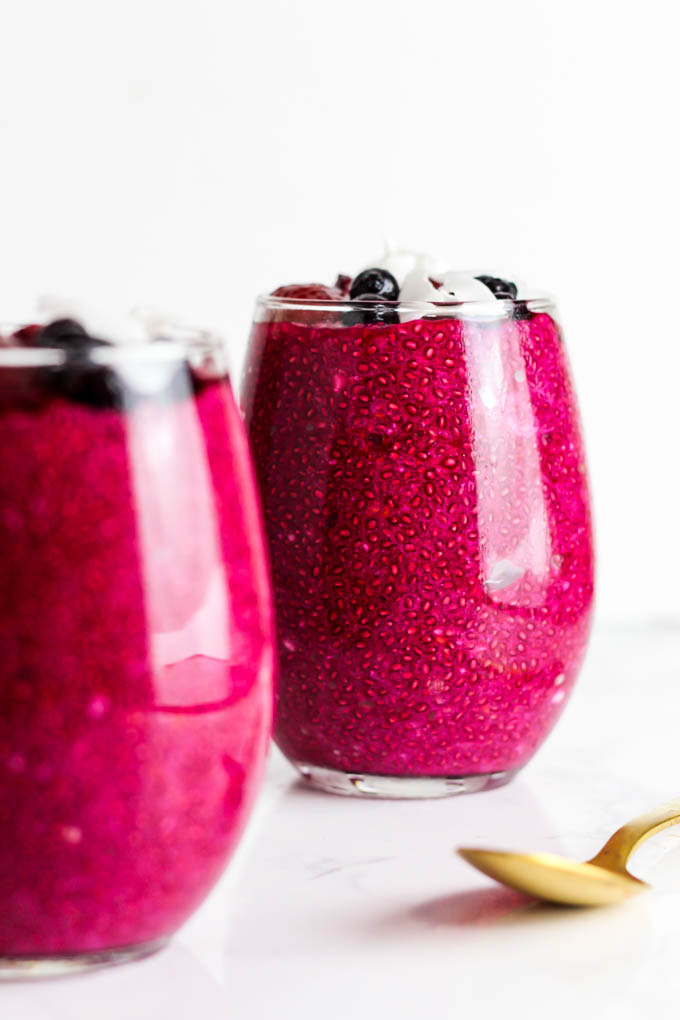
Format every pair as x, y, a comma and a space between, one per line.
79, 378
503, 289
94, 385
522, 311
372, 312
374, 283
66, 333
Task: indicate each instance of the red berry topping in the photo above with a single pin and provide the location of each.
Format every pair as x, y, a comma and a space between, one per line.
306, 292
27, 334
309, 292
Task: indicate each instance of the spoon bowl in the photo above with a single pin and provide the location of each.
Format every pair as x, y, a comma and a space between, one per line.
601, 881
554, 879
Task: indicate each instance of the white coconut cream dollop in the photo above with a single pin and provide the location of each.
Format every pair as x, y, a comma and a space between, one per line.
424, 277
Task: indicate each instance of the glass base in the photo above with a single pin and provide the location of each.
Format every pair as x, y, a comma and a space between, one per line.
361, 784
31, 968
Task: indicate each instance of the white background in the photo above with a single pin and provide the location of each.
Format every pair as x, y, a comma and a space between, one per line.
192, 154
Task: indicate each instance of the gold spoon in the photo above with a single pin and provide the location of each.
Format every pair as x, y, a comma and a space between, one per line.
602, 880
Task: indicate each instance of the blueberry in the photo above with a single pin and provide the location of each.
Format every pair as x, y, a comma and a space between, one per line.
66, 333
84, 382
79, 378
521, 311
94, 385
374, 283
372, 313
499, 288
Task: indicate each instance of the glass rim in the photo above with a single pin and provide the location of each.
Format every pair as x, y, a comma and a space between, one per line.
497, 307
168, 344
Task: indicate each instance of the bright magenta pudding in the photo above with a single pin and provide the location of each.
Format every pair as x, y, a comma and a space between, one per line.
135, 698
427, 511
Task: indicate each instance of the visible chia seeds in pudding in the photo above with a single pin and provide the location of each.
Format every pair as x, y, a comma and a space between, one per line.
426, 507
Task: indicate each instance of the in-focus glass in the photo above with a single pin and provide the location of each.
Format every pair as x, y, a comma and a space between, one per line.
427, 512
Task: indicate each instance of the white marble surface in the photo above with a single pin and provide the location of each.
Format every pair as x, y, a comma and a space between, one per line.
349, 910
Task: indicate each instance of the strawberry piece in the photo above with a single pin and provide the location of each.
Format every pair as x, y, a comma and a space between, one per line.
309, 292
27, 335
306, 292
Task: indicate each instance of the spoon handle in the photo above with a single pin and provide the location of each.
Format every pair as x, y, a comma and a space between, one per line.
618, 848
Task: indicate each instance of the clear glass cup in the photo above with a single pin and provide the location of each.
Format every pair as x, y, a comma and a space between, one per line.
135, 641
427, 512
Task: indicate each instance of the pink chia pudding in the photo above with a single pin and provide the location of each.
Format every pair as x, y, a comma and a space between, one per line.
135, 693
427, 512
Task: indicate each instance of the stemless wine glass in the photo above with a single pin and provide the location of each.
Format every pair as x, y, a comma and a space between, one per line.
135, 640
427, 512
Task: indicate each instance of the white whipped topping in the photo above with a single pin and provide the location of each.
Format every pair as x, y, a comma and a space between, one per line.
414, 272
411, 269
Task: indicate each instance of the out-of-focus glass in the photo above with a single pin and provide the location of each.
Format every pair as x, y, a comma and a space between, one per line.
135, 645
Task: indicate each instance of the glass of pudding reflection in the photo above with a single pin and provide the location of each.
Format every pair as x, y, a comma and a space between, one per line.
135, 640
420, 460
